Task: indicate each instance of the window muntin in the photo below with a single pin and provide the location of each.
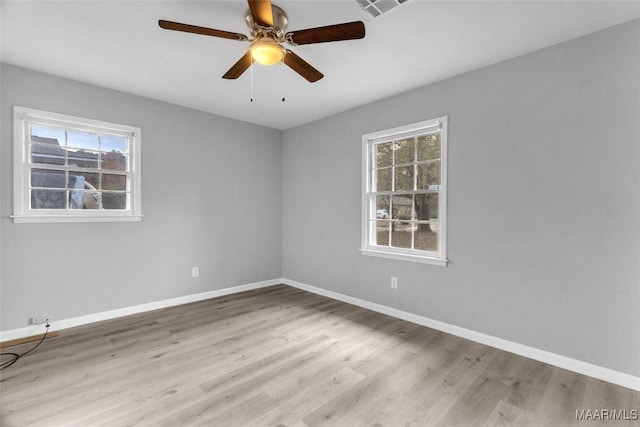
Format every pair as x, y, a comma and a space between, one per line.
70, 168
404, 192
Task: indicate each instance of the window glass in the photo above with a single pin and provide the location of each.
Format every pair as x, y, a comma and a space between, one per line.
403, 210
74, 167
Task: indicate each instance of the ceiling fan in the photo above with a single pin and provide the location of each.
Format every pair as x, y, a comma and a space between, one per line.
267, 24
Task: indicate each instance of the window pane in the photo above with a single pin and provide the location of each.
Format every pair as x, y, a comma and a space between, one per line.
48, 199
115, 161
48, 178
382, 233
114, 200
76, 199
401, 234
382, 179
91, 180
47, 135
404, 151
84, 199
84, 195
402, 207
49, 154
404, 178
83, 159
428, 174
382, 207
429, 147
113, 143
384, 154
84, 140
75, 181
426, 206
426, 237
114, 182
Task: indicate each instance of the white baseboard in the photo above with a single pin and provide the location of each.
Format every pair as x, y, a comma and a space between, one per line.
56, 325
599, 372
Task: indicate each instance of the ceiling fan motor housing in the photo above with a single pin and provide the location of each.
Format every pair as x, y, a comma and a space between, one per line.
277, 32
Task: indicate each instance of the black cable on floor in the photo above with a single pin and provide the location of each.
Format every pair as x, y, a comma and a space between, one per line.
16, 356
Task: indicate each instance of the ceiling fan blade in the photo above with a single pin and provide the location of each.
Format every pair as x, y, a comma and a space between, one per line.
239, 67
301, 67
177, 26
330, 33
261, 12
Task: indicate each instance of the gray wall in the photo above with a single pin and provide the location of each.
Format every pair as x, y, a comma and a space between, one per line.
544, 198
210, 198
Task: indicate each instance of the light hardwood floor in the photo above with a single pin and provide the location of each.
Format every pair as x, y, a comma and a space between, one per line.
280, 356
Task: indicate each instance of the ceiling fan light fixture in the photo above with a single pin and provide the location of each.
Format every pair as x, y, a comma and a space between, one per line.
267, 52
267, 25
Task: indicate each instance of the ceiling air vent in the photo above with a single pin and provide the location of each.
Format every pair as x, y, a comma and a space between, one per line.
376, 8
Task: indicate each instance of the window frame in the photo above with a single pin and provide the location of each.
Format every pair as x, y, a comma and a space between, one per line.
23, 117
369, 141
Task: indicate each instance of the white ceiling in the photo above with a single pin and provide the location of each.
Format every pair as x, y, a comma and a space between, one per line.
118, 44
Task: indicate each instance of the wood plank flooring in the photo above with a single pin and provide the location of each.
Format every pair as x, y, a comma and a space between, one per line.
280, 356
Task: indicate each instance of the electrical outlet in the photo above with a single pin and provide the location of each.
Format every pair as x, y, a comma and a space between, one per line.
394, 283
195, 272
36, 320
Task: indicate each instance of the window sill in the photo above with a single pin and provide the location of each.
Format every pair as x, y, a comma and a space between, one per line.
40, 219
405, 257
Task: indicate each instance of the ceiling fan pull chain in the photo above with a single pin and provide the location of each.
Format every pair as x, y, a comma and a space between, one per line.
282, 81
251, 79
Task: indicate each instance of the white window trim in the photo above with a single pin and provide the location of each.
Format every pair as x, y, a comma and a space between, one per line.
435, 258
21, 211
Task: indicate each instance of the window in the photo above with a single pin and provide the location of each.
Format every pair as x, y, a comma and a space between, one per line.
70, 169
404, 192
